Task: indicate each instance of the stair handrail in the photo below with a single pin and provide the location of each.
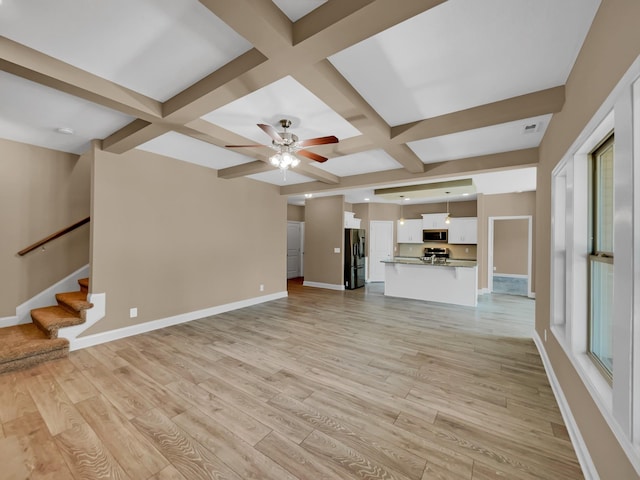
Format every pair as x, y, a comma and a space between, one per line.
53, 236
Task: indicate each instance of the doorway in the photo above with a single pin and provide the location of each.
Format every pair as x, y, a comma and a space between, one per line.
510, 255
380, 248
295, 252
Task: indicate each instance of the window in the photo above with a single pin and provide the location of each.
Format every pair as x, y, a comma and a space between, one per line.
594, 307
600, 328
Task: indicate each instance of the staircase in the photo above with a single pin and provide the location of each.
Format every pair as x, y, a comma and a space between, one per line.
23, 346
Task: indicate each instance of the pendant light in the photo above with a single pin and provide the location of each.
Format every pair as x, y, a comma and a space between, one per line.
401, 210
448, 219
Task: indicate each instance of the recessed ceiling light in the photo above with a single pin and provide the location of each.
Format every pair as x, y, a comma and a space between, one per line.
308, 195
407, 199
366, 199
465, 194
64, 130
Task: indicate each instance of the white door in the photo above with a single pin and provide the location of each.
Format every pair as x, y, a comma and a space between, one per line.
380, 248
293, 249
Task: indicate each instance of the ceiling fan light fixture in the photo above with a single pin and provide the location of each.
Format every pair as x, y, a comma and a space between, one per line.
284, 160
287, 144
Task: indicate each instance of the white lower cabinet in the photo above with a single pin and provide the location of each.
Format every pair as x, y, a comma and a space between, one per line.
463, 230
410, 231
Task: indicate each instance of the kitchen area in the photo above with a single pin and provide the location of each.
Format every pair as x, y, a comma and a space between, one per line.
403, 251
435, 274
423, 267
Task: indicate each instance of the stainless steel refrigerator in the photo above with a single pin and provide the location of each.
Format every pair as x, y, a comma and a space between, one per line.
354, 258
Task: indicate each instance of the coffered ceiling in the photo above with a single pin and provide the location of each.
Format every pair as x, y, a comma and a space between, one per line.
416, 90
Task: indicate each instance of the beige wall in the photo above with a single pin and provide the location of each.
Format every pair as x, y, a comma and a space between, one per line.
324, 231
456, 209
511, 246
41, 192
170, 237
295, 213
612, 44
504, 205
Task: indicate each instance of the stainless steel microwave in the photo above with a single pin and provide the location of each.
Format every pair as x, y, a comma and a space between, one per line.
435, 235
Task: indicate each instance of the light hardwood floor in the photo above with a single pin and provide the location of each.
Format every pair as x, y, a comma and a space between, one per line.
320, 385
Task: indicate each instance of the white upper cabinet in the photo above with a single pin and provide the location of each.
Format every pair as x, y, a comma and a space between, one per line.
434, 221
350, 221
410, 231
463, 230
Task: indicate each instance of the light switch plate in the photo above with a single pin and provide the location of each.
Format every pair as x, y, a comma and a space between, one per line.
133, 312
336, 250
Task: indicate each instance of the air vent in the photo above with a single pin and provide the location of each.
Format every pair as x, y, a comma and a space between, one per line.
532, 127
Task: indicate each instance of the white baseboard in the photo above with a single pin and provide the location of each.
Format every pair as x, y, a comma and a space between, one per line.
45, 298
98, 338
12, 321
586, 463
483, 291
532, 295
330, 286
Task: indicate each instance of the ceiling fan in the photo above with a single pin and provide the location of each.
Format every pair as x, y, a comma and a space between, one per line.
287, 146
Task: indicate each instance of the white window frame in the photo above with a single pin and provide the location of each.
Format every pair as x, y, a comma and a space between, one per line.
619, 403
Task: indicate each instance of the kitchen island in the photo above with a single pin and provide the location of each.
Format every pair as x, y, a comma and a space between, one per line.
455, 281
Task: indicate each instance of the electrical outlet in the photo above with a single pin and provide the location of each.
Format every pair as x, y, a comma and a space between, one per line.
261, 287
466, 250
336, 250
133, 312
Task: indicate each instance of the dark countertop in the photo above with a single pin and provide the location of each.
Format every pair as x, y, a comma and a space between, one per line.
418, 261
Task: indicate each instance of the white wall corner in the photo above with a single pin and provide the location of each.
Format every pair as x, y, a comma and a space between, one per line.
584, 458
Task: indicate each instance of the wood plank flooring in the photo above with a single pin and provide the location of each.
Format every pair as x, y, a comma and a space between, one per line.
320, 385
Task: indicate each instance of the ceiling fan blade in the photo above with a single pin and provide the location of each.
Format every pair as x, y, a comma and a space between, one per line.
242, 146
312, 156
318, 141
269, 130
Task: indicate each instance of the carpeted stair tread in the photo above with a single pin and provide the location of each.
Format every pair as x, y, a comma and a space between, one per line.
22, 346
76, 301
50, 319
84, 284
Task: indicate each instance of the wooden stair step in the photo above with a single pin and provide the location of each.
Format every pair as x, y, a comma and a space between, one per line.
23, 346
74, 301
84, 284
50, 319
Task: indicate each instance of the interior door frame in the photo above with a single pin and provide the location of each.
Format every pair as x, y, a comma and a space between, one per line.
301, 247
530, 294
371, 222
